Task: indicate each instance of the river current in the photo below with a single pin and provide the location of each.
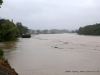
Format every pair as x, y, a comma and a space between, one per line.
54, 54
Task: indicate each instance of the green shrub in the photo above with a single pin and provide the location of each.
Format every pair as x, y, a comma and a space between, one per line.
1, 52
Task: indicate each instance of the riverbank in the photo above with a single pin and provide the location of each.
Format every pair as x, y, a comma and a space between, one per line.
5, 68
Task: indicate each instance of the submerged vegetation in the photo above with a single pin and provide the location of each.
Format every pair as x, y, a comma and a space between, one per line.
90, 30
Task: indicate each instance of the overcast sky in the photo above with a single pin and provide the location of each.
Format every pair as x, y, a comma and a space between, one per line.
52, 14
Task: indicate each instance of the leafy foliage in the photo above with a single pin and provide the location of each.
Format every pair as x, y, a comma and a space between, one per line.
1, 1
8, 30
1, 52
22, 29
90, 30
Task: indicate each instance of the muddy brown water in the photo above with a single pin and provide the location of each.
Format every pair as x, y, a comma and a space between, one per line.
54, 54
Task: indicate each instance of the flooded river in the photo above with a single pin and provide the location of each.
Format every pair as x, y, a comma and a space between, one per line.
54, 54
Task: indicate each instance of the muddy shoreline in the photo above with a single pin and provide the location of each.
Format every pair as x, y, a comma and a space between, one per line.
6, 69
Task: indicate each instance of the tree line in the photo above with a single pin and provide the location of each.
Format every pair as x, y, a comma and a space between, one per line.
90, 29
10, 31
52, 31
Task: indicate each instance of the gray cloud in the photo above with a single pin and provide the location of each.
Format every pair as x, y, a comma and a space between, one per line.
52, 14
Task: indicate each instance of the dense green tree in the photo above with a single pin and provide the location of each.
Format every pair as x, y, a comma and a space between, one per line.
1, 1
90, 30
8, 30
1, 52
22, 29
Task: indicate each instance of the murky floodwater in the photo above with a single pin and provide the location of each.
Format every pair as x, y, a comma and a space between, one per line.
55, 54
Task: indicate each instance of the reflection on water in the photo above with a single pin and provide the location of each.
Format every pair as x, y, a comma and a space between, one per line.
54, 54
8, 46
